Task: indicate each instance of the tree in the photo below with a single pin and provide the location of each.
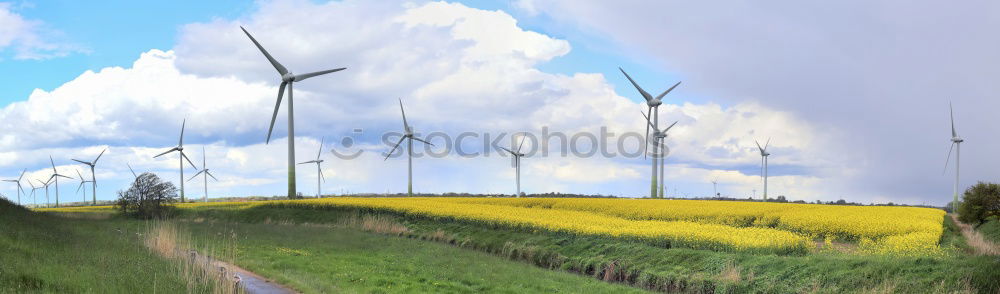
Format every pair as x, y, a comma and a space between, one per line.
147, 197
979, 203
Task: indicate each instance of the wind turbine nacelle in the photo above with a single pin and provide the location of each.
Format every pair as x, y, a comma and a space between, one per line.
957, 140
288, 77
654, 102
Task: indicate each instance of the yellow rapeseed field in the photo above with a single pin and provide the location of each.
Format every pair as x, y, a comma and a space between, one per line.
699, 224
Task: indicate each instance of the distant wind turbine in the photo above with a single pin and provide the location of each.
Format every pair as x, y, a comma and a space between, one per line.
181, 157
204, 170
956, 141
763, 163
93, 175
715, 189
517, 163
287, 79
33, 188
55, 176
19, 189
653, 107
319, 171
407, 134
46, 185
659, 142
82, 182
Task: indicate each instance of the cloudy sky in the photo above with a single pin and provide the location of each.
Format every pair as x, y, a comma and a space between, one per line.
853, 94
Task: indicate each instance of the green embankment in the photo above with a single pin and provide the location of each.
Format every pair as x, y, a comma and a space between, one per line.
650, 267
991, 230
50, 254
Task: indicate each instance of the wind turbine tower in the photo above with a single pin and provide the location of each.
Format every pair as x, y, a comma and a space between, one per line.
517, 164
763, 163
407, 135
652, 104
319, 170
956, 143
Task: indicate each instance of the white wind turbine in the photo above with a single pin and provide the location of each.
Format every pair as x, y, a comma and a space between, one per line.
715, 188
659, 152
287, 79
653, 107
407, 134
181, 157
46, 185
517, 164
204, 170
33, 188
763, 163
82, 182
319, 171
956, 141
93, 175
55, 176
19, 189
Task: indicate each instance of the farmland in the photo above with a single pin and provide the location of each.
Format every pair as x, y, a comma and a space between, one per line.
661, 245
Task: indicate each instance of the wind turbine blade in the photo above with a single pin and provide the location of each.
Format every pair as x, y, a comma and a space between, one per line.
58, 175
195, 175
80, 161
767, 143
22, 175
949, 158
522, 143
204, 158
762, 168
53, 164
645, 95
131, 170
405, 125
79, 174
670, 126
299, 78
80, 186
277, 105
952, 112
508, 150
304, 162
320, 152
99, 155
281, 68
758, 147
645, 140
422, 140
394, 148
189, 160
165, 152
321, 176
213, 176
667, 91
180, 142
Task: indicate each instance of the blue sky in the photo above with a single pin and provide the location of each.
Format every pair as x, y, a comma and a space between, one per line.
816, 86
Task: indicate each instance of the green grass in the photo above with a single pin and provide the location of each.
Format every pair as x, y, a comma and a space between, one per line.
991, 230
49, 254
647, 266
327, 259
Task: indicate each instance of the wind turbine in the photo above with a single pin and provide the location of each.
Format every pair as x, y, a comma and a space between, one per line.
715, 189
55, 176
955, 141
287, 79
19, 189
653, 107
132, 170
33, 188
763, 163
407, 134
319, 171
82, 182
517, 164
46, 185
659, 138
93, 175
204, 170
180, 158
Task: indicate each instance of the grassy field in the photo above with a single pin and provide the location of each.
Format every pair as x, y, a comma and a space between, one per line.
41, 253
991, 230
836, 268
344, 259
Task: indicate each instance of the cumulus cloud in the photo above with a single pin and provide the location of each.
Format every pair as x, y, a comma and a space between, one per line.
456, 69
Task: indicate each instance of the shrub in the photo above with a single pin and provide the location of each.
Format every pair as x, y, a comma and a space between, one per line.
147, 197
980, 203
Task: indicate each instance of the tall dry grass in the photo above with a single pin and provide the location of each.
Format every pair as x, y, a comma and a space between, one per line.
170, 241
976, 239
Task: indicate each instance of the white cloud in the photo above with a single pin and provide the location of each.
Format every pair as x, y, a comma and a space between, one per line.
30, 39
456, 68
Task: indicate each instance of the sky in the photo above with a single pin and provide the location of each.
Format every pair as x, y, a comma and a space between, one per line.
853, 95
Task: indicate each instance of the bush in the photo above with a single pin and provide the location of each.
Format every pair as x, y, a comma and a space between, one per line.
147, 197
980, 203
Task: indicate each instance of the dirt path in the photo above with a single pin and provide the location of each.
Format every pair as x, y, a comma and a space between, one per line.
980, 245
250, 282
